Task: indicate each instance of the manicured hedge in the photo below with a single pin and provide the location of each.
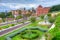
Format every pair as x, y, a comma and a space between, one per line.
18, 32
7, 26
22, 30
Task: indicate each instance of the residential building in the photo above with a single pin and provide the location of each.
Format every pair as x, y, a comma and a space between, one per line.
42, 10
15, 12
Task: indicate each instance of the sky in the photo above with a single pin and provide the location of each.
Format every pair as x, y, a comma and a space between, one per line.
17, 4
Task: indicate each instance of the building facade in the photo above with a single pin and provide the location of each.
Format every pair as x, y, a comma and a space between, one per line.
42, 10
15, 12
38, 11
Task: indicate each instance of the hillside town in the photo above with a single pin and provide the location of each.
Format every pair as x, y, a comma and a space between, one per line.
40, 10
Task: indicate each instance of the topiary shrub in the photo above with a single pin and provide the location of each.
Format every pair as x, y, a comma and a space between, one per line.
29, 35
18, 17
12, 24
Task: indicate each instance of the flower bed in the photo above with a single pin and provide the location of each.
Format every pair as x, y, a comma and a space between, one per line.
6, 26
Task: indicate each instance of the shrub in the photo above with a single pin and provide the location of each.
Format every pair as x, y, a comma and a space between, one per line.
49, 14
12, 24
11, 16
6, 26
19, 17
57, 37
29, 35
28, 14
33, 19
0, 28
57, 21
51, 20
42, 16
1, 21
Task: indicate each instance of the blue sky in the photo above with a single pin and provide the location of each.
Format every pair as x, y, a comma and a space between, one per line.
17, 4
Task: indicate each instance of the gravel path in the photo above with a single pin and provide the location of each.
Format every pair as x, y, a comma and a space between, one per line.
13, 28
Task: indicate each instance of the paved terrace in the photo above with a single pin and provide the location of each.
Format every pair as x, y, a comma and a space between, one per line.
13, 28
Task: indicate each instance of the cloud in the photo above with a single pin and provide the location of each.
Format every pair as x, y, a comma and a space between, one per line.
51, 3
25, 1
17, 5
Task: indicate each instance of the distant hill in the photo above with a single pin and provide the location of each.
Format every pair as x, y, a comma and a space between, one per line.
55, 8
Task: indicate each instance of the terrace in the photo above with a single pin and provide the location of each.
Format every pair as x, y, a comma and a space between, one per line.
34, 32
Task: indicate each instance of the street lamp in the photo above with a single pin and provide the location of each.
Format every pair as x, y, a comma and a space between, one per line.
15, 18
6, 15
23, 14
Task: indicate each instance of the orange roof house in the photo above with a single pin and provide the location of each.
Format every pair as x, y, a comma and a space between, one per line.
46, 10
24, 11
15, 12
40, 10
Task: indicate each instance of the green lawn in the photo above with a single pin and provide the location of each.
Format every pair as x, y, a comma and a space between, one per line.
7, 26
44, 26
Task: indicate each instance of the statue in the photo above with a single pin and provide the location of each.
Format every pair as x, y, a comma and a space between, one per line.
46, 18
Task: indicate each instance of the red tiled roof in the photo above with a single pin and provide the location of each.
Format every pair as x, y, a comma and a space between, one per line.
41, 10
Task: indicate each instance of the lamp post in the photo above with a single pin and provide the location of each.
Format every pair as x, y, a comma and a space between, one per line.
15, 18
24, 14
6, 15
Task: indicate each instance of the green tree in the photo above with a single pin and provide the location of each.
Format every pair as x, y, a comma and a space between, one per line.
33, 19
57, 36
19, 17
57, 21
55, 32
55, 8
51, 20
3, 16
9, 13
20, 12
49, 14
42, 16
11, 16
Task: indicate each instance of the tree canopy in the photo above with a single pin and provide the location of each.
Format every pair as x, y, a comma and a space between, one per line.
55, 8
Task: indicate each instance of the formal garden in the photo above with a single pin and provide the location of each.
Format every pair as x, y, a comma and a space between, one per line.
37, 29
28, 34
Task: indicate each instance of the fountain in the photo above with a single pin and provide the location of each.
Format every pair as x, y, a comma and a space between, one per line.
45, 22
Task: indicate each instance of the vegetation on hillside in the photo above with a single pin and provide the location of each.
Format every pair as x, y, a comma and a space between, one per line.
55, 8
55, 32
